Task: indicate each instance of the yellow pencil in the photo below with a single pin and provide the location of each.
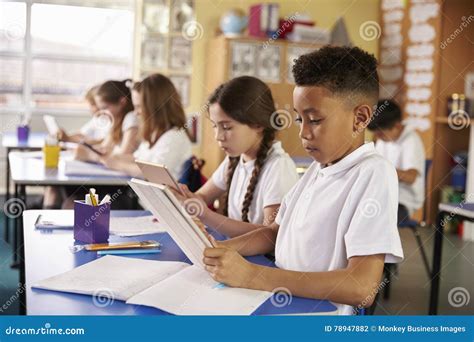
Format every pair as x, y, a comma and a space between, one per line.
93, 199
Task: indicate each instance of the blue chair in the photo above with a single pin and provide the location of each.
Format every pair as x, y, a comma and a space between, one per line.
192, 176
413, 225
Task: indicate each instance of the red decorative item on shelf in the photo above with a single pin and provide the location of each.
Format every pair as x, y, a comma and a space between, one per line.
286, 26
263, 20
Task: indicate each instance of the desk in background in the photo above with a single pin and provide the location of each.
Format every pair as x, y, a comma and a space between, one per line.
10, 142
464, 211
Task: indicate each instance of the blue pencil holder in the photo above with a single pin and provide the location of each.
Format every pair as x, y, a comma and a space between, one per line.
91, 223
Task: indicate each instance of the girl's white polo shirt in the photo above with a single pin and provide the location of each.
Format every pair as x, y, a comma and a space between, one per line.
172, 149
277, 177
343, 210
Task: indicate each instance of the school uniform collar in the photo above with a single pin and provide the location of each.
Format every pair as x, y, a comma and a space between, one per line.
248, 166
348, 161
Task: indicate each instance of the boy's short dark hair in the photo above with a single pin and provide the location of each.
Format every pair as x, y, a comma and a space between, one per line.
386, 115
342, 70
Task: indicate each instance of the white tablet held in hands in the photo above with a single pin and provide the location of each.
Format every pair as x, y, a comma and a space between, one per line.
158, 174
51, 124
179, 224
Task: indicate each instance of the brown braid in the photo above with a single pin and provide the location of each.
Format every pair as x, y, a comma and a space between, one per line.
262, 154
233, 162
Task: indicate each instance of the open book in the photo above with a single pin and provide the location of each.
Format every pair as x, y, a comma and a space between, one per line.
171, 286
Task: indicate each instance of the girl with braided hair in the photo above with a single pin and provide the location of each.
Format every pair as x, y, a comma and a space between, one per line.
257, 172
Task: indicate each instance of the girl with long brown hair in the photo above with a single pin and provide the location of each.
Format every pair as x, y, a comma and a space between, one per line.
114, 101
257, 172
91, 132
162, 128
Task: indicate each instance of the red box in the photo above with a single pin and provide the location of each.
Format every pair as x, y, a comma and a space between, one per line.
263, 20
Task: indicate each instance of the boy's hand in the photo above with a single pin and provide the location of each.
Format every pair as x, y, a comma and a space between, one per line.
227, 266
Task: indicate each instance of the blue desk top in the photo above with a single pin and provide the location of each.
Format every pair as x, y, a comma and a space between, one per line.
47, 254
465, 209
27, 168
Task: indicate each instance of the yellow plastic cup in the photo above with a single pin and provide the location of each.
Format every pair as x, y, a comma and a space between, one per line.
51, 156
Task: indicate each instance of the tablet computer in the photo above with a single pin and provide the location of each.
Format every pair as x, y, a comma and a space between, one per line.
158, 174
51, 124
179, 224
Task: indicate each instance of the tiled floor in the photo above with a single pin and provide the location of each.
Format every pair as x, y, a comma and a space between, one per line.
409, 289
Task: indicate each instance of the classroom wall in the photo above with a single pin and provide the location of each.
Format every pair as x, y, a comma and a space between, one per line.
324, 12
208, 13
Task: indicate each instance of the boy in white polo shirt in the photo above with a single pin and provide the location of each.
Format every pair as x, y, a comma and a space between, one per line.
338, 225
402, 146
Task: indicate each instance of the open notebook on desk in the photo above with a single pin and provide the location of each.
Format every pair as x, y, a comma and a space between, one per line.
172, 286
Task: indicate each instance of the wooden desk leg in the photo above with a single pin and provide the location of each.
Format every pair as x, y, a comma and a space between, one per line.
7, 197
436, 267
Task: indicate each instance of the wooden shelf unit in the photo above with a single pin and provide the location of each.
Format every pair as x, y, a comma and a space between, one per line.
455, 61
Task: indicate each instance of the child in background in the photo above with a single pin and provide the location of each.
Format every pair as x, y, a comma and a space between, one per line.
114, 101
162, 128
257, 171
92, 132
338, 225
402, 146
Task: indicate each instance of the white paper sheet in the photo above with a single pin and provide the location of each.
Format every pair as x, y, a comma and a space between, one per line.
423, 12
80, 168
192, 291
133, 226
420, 50
418, 94
423, 33
393, 16
116, 277
54, 221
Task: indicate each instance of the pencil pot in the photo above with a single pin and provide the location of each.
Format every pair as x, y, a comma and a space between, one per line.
51, 156
22, 133
91, 223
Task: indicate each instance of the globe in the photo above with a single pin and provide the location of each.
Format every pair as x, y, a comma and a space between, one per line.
233, 22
